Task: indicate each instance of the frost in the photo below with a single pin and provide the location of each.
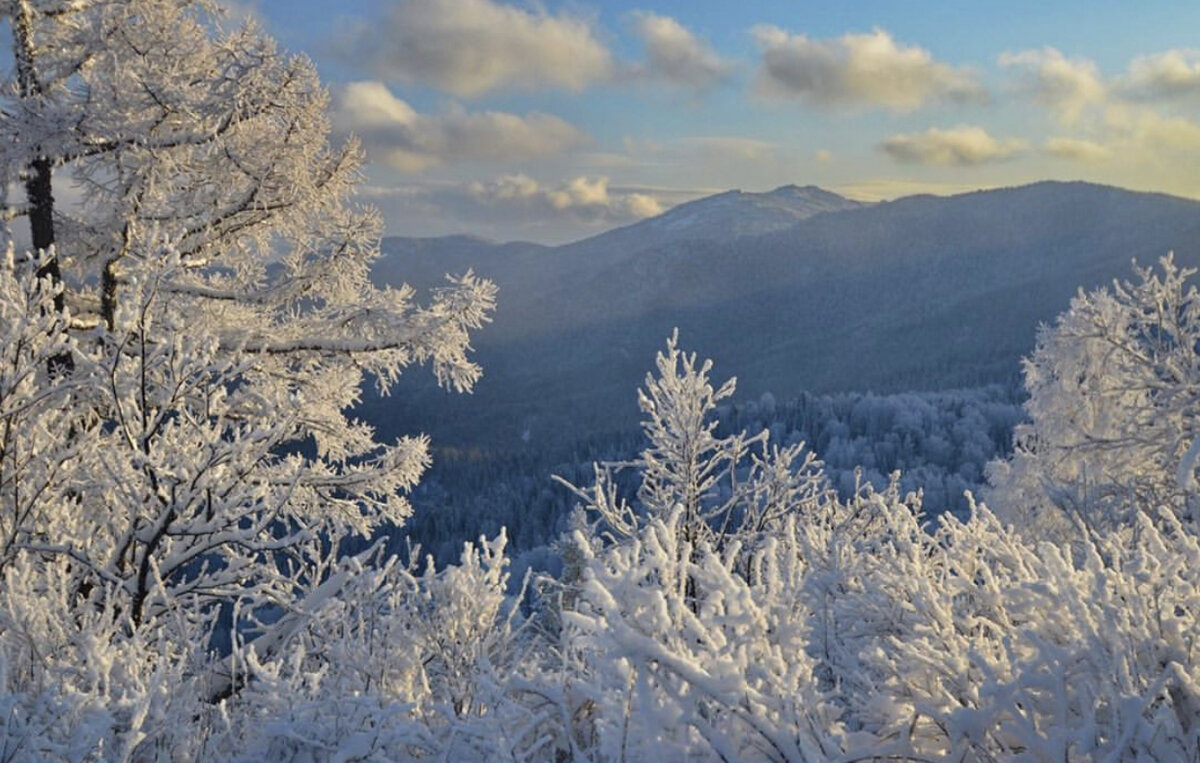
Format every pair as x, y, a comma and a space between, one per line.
189, 567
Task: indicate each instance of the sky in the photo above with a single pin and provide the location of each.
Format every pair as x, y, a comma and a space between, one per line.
551, 121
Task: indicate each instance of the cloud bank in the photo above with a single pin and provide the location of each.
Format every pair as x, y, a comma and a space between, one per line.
584, 199
473, 47
395, 134
963, 146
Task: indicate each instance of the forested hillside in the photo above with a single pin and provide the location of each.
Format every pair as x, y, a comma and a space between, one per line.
939, 442
923, 293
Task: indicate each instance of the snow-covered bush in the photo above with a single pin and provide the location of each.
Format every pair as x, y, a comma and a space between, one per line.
850, 629
399, 666
1019, 652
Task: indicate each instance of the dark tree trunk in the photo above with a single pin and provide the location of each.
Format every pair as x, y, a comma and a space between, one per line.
39, 188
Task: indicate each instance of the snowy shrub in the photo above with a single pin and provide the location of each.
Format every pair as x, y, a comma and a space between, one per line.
399, 666
1019, 652
851, 629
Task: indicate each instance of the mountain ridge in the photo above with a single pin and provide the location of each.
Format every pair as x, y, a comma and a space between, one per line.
916, 293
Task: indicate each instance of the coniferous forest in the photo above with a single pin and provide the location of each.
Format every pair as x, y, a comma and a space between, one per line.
209, 552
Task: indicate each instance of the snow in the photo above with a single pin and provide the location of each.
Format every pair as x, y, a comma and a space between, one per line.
185, 464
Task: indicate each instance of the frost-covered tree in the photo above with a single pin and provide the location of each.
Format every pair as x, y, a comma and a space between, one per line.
151, 113
1114, 406
723, 487
688, 623
180, 349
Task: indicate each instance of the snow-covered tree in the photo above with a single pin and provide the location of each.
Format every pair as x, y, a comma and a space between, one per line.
180, 349
1114, 403
155, 116
725, 487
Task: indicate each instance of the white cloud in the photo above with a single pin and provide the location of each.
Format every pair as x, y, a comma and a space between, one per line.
858, 69
1171, 74
959, 146
471, 47
1066, 86
1078, 150
519, 207
1138, 143
583, 199
395, 134
674, 55
1148, 132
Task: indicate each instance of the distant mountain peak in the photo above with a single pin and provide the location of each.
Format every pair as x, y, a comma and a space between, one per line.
791, 189
735, 214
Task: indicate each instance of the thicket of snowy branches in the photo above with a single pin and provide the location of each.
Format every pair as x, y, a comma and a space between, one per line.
850, 630
180, 485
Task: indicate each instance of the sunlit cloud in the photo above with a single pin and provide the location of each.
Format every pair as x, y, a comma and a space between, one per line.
1144, 130
1077, 150
588, 199
472, 47
858, 70
518, 206
1065, 86
674, 55
959, 146
396, 135
1166, 75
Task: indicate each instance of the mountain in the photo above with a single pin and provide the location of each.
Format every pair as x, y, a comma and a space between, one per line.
792, 290
529, 275
732, 214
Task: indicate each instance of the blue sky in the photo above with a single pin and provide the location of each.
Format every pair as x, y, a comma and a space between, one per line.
555, 120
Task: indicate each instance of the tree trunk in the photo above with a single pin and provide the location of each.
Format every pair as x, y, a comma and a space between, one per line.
39, 188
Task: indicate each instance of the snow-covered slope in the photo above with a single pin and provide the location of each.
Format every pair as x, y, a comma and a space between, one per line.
732, 214
919, 293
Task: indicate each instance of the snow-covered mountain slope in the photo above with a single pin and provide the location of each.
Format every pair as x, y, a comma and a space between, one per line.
919, 293
732, 214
